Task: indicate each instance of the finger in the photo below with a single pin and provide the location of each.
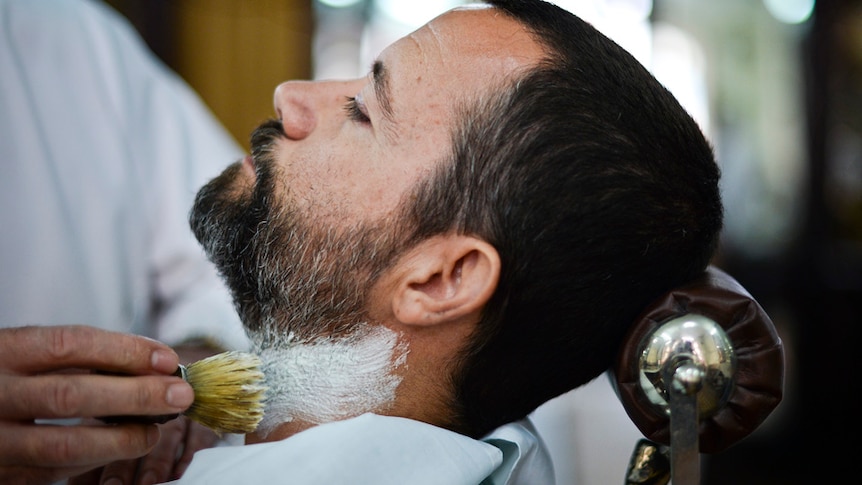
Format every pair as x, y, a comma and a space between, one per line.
95, 476
123, 470
40, 349
84, 447
158, 465
86, 395
198, 437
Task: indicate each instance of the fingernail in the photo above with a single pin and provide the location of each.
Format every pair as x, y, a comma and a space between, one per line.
180, 395
165, 361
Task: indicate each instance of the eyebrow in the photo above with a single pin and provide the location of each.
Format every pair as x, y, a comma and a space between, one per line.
380, 84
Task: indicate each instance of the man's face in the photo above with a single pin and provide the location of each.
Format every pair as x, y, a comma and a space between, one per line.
302, 229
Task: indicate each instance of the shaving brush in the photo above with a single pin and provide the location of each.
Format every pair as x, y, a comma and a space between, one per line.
229, 394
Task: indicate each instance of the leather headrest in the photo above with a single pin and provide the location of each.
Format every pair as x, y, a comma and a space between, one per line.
759, 377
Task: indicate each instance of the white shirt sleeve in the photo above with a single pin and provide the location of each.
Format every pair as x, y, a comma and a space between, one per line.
103, 151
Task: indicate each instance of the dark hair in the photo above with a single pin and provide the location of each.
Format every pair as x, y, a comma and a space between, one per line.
598, 191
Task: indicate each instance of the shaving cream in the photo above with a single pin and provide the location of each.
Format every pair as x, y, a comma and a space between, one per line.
329, 379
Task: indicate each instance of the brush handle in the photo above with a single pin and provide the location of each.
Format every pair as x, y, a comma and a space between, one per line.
138, 419
164, 418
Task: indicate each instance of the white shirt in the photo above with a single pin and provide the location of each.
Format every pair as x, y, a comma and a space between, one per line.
102, 151
380, 450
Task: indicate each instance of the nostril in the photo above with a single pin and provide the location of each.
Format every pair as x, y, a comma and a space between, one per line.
294, 104
298, 121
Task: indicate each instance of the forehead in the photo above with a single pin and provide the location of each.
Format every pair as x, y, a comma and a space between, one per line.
477, 32
462, 52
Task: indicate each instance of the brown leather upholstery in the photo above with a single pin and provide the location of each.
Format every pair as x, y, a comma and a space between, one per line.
760, 360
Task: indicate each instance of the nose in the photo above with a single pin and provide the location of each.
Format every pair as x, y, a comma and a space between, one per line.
294, 105
304, 106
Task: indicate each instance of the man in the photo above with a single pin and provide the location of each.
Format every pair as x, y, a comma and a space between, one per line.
425, 255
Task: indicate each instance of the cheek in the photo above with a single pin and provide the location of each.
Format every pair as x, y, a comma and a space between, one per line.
360, 180
374, 192
343, 184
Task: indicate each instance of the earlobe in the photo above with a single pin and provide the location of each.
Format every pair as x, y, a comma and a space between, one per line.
447, 278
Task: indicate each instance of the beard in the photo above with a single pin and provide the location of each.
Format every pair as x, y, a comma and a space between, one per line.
291, 276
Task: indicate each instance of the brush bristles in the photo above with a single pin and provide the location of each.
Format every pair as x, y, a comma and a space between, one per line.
229, 392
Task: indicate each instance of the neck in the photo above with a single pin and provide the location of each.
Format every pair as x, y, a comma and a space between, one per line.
327, 380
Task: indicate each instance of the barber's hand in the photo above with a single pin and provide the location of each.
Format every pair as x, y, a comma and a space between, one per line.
45, 373
180, 439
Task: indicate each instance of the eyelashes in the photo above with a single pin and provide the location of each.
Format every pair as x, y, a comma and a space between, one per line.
355, 110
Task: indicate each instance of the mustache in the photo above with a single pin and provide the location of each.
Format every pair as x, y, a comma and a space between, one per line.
264, 138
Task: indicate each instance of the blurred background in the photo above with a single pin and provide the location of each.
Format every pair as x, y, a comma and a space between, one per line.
777, 87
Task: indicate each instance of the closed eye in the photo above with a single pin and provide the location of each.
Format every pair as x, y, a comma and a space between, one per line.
355, 110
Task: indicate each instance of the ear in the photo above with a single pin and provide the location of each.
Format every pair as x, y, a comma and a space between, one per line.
445, 278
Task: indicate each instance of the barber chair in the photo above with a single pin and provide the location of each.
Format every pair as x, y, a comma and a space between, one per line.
700, 369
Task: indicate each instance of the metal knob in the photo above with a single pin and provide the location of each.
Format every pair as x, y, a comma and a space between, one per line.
696, 352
